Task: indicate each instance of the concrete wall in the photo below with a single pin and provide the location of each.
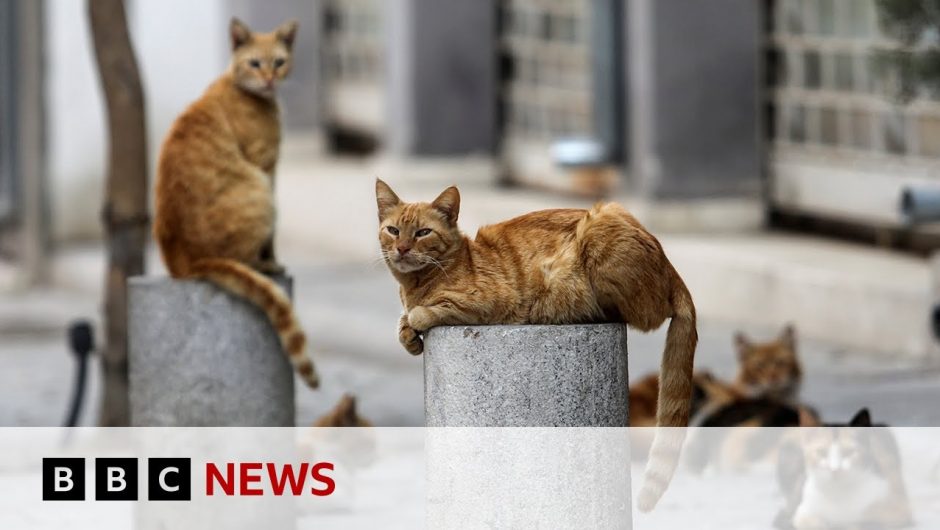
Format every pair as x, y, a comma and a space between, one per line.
442, 77
693, 78
181, 47
178, 56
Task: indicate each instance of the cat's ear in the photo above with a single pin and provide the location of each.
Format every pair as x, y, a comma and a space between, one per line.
286, 32
239, 33
788, 336
349, 409
862, 418
742, 344
385, 198
448, 203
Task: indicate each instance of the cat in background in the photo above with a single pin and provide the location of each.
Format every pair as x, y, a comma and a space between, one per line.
562, 266
769, 369
343, 414
351, 450
838, 477
215, 208
707, 391
749, 442
354, 448
765, 370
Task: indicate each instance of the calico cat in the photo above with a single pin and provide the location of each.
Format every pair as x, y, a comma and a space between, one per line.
765, 369
750, 442
344, 414
760, 412
214, 192
708, 392
561, 266
838, 477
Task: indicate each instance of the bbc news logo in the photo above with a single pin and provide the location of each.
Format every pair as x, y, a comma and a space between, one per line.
170, 479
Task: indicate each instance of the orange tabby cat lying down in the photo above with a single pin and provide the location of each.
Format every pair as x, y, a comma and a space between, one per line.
547, 267
214, 200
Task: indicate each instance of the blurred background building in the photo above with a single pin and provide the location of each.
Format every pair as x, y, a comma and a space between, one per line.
718, 122
776, 104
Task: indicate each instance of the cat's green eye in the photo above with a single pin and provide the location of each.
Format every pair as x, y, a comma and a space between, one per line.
254, 63
423, 232
392, 230
278, 62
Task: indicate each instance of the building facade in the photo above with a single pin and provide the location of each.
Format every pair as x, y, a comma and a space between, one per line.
777, 103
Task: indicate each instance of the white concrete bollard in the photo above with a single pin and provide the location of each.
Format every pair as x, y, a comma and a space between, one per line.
526, 376
199, 356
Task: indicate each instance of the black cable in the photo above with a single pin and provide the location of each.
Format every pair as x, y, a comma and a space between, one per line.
82, 342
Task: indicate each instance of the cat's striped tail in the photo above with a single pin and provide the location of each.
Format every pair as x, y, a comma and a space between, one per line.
675, 393
245, 282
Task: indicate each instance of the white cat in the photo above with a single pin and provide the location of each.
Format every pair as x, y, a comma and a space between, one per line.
843, 476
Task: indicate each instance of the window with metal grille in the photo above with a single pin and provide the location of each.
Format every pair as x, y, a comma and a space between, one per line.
841, 142
546, 85
353, 63
549, 80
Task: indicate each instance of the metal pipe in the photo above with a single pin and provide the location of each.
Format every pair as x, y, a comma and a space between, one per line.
935, 321
920, 205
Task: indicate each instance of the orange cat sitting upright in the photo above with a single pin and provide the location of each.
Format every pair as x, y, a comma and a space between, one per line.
546, 267
214, 193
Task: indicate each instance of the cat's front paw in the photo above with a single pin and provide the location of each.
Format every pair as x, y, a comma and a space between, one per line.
271, 268
421, 319
410, 339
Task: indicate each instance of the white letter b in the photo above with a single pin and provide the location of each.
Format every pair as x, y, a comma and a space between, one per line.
116, 480
63, 479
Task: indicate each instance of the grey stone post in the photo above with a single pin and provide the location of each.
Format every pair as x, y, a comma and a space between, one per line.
526, 376
693, 98
202, 357
442, 77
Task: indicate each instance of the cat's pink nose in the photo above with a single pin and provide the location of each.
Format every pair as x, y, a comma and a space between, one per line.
403, 250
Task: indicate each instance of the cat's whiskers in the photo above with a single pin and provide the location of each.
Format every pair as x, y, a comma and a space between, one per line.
426, 259
383, 258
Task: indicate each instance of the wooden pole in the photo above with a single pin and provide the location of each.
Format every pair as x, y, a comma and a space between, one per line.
124, 215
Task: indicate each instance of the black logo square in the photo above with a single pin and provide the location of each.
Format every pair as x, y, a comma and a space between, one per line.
169, 479
63, 479
116, 479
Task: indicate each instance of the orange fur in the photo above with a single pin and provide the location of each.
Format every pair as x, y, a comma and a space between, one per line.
214, 193
344, 414
708, 393
769, 369
547, 267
